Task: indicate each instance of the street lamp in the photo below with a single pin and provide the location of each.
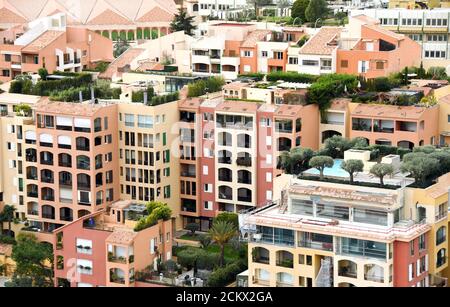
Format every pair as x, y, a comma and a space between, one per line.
293, 23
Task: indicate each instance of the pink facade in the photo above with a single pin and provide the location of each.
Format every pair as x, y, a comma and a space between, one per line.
77, 148
72, 50
411, 262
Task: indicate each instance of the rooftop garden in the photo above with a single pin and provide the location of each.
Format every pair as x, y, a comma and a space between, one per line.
423, 164
204, 86
221, 254
156, 211
152, 98
66, 89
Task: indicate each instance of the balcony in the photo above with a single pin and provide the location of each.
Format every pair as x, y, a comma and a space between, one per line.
316, 241
285, 259
33, 212
120, 259
261, 255
244, 161
361, 124
438, 281
347, 268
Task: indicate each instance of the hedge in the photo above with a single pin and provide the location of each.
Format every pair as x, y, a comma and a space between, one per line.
201, 87
256, 76
291, 77
223, 276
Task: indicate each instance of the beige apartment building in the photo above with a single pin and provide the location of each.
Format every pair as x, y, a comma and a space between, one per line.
148, 145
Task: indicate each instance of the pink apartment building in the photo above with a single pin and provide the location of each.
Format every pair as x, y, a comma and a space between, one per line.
102, 249
230, 162
72, 168
406, 126
52, 45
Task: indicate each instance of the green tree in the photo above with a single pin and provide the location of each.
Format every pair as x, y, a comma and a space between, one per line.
257, 4
437, 73
221, 232
183, 22
228, 217
192, 227
7, 216
420, 167
352, 166
43, 73
296, 160
299, 9
316, 9
120, 47
320, 163
381, 170
32, 259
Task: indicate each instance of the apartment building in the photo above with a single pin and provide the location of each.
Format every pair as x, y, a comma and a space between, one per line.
102, 249
427, 4
323, 234
429, 28
50, 44
17, 126
73, 169
230, 49
221, 9
148, 160
230, 149
361, 48
110, 18
406, 127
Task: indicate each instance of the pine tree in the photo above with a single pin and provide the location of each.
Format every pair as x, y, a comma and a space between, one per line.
183, 22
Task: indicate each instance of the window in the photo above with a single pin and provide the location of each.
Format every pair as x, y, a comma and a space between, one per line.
205, 169
264, 54
422, 242
247, 54
208, 205
380, 65
144, 121
7, 58
208, 188
310, 63
129, 120
278, 55
411, 248
293, 60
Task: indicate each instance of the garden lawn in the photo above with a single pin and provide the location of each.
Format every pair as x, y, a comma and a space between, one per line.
231, 254
190, 237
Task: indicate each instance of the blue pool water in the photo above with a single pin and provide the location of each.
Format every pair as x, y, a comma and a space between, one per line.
335, 171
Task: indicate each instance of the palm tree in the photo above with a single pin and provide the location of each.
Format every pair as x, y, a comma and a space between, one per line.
7, 215
222, 232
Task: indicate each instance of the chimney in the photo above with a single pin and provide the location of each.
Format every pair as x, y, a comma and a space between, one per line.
145, 97
92, 95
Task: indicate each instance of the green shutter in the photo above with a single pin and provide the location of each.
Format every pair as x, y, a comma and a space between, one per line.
164, 139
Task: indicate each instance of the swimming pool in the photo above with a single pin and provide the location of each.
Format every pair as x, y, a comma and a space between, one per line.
335, 171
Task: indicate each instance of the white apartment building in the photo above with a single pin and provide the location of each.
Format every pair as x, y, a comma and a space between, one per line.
430, 28
222, 9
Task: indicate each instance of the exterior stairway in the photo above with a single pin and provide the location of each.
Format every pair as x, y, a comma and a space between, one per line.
325, 276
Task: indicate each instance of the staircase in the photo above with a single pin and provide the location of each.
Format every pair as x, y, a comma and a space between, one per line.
325, 276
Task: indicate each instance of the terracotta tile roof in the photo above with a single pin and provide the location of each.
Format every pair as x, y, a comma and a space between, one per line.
254, 37
190, 103
8, 16
43, 41
148, 65
340, 104
286, 110
322, 43
121, 236
235, 86
381, 30
388, 111
440, 188
125, 59
108, 17
156, 14
237, 107
367, 19
68, 108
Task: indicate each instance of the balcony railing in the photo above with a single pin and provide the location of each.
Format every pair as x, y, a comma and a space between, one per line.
325, 246
263, 260
375, 278
33, 212
247, 162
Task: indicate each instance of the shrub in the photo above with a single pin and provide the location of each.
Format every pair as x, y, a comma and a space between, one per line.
205, 241
201, 87
255, 76
220, 277
291, 77
156, 211
7, 239
192, 227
